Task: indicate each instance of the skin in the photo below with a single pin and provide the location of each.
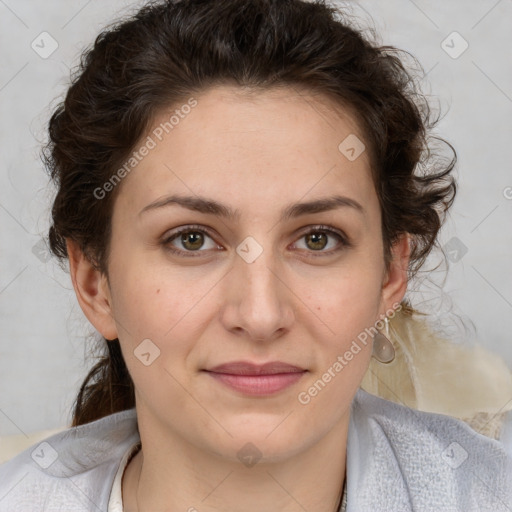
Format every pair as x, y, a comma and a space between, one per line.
298, 302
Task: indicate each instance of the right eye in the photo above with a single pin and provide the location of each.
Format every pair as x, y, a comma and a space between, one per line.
191, 238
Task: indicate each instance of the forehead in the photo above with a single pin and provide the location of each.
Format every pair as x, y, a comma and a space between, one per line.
243, 144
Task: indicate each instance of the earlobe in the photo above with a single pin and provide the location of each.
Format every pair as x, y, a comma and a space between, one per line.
92, 291
395, 282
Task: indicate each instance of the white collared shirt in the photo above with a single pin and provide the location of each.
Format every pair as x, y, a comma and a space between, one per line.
115, 503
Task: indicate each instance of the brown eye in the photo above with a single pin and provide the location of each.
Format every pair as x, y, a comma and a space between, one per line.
320, 237
188, 240
192, 240
316, 240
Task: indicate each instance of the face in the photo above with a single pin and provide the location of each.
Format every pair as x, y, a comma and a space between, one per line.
257, 280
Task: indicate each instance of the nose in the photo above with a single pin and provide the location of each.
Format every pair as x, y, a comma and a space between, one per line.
258, 301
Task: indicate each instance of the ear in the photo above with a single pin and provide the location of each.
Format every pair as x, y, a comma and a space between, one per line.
92, 291
395, 279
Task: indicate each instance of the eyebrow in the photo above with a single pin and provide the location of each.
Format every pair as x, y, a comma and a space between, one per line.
212, 207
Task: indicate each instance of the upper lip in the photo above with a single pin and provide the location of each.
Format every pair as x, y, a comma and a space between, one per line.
247, 368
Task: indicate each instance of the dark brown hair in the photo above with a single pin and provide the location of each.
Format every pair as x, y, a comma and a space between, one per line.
170, 50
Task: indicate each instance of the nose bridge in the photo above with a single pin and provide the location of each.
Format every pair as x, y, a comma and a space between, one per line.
262, 302
255, 268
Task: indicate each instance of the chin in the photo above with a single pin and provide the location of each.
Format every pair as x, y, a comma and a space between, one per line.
266, 440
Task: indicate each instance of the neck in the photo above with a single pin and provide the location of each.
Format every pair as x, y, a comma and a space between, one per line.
310, 480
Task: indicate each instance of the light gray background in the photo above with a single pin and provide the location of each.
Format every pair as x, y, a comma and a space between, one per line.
43, 331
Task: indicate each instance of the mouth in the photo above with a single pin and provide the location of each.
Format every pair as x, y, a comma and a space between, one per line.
257, 380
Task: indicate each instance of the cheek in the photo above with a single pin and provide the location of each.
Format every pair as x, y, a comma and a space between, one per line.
156, 333
161, 313
343, 338
348, 299
151, 299
343, 345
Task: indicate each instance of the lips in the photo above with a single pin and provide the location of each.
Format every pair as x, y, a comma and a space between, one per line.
246, 368
256, 379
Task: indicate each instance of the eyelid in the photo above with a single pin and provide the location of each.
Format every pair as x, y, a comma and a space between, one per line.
345, 242
168, 238
343, 239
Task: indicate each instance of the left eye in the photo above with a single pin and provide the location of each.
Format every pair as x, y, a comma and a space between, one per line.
193, 239
318, 239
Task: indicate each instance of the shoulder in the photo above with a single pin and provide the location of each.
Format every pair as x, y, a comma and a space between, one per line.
404, 459
72, 470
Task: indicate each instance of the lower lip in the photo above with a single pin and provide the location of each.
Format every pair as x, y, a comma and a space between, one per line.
258, 385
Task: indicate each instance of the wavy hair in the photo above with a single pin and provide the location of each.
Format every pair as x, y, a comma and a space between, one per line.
170, 50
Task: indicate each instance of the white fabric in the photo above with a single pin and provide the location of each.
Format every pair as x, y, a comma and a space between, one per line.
115, 503
398, 459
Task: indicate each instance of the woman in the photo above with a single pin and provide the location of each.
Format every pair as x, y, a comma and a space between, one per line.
240, 202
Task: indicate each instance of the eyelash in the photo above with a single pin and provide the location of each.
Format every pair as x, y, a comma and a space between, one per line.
344, 242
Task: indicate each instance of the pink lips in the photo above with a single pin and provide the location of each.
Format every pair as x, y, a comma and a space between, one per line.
253, 379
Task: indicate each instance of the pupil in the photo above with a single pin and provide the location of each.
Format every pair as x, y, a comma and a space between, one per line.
316, 237
189, 237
